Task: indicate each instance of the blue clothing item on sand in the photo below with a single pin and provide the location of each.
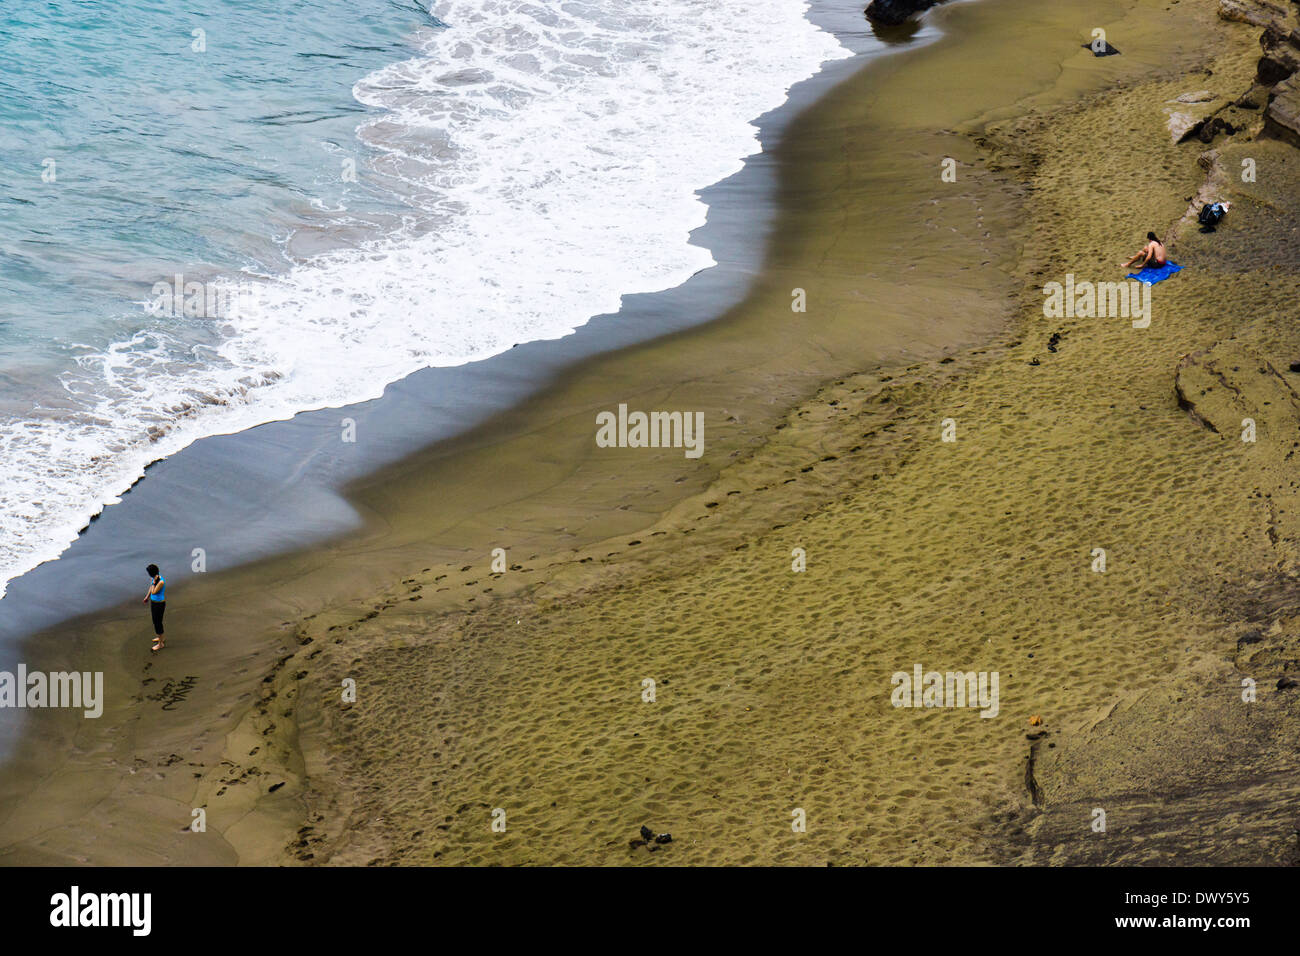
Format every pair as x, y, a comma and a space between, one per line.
162, 591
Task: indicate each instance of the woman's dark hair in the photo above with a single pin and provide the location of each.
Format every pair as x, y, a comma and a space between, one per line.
153, 570
1154, 237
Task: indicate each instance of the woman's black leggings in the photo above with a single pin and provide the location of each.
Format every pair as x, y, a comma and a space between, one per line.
157, 608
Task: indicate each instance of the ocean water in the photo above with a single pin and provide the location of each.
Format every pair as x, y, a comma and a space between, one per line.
224, 213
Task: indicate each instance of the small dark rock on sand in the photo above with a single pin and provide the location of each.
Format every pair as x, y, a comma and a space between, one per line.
649, 836
891, 13
1213, 127
1286, 682
1104, 50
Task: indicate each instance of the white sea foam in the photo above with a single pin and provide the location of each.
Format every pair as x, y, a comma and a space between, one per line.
550, 152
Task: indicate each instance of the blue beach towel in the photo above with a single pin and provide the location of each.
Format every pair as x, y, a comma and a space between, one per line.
1153, 274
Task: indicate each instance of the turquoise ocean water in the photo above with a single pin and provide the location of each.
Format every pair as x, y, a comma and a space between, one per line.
342, 193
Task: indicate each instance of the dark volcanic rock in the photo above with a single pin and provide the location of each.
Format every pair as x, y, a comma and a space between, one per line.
1276, 66
1212, 127
1282, 118
893, 12
1281, 57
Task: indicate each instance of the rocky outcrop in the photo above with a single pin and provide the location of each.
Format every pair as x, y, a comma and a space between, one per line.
1277, 77
891, 13
1255, 12
1281, 57
1282, 118
1180, 124
1190, 113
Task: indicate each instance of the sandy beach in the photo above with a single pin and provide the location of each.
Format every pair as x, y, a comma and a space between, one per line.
916, 469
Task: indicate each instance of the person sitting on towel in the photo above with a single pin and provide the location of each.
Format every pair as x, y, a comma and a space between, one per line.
1152, 254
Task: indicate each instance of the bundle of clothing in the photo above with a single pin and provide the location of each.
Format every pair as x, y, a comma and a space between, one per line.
1212, 214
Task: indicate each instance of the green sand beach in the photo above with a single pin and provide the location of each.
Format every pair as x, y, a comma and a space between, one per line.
479, 690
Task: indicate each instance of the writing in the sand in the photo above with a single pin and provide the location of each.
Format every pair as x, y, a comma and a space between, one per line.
174, 692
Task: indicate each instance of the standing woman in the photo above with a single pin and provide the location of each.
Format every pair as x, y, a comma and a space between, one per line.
156, 597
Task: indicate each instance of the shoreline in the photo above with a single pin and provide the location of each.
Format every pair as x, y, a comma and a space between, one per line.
257, 512
284, 485
425, 669
450, 326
